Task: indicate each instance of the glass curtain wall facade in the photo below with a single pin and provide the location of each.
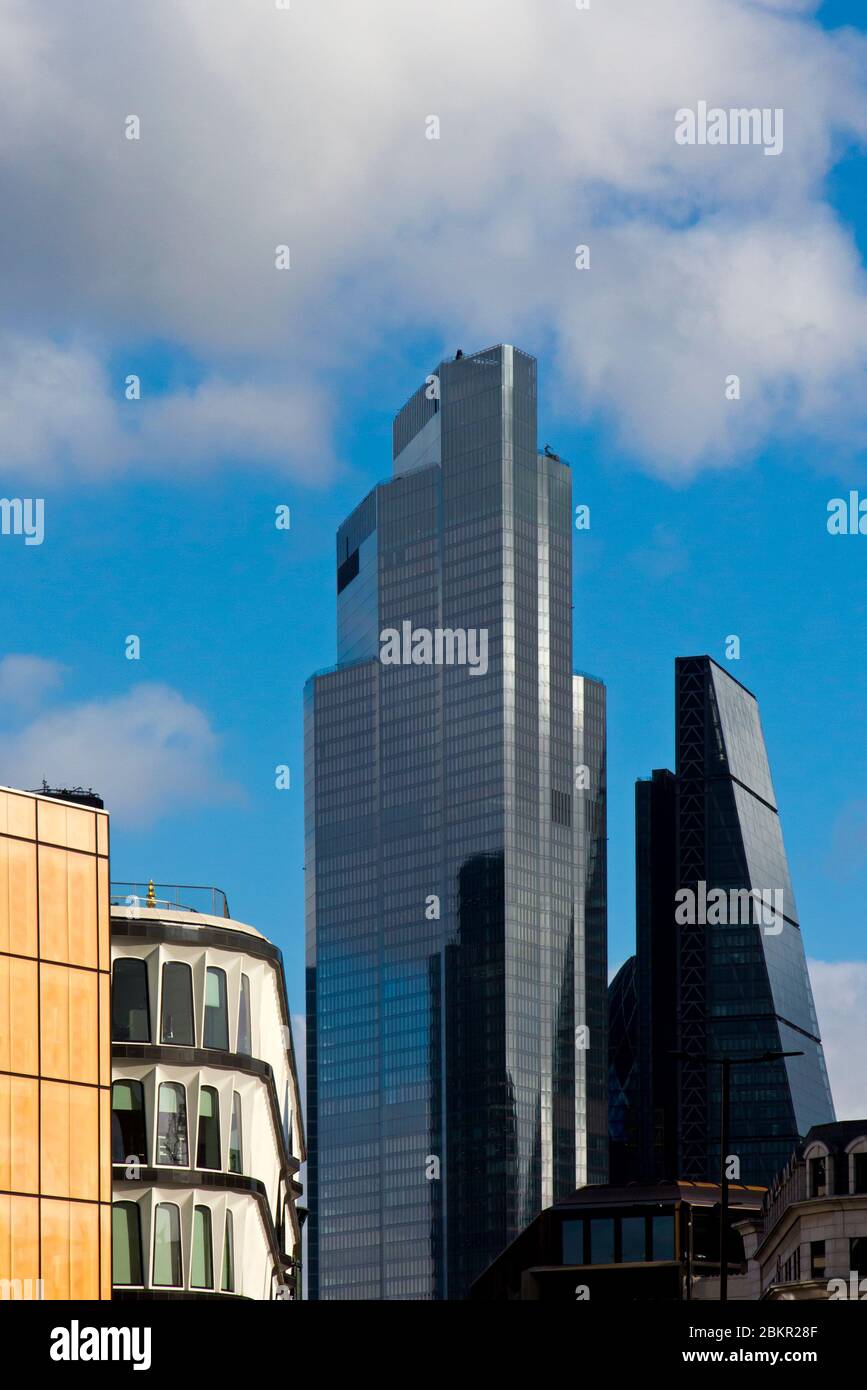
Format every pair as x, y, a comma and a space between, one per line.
447, 864
55, 1063
742, 986
591, 929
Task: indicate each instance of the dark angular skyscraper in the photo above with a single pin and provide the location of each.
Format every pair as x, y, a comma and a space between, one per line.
720, 959
455, 823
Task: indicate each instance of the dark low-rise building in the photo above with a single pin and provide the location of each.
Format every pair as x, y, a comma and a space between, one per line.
803, 1238
657, 1242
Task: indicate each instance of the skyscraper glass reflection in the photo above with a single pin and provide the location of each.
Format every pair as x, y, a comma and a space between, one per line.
455, 863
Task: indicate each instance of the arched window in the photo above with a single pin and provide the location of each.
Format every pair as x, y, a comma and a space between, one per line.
208, 1153
216, 1013
236, 1157
818, 1165
172, 1125
227, 1283
126, 1261
857, 1152
177, 1017
130, 1014
245, 1034
168, 1270
202, 1270
128, 1138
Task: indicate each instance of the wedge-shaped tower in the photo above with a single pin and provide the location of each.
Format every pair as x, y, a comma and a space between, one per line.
721, 963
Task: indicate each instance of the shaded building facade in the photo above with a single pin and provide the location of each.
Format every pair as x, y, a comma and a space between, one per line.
55, 1064
455, 859
721, 963
811, 1239
639, 1243
623, 1060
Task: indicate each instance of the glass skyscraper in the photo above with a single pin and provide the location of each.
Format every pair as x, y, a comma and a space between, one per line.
723, 983
455, 860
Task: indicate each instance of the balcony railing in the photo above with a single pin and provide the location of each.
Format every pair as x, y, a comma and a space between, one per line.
178, 897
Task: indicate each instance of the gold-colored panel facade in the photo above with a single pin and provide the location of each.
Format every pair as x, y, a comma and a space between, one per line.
55, 1049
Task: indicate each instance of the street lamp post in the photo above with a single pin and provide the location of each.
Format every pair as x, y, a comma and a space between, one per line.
726, 1064
724, 1180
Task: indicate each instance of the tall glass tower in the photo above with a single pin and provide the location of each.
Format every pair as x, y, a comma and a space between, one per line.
455, 863
716, 981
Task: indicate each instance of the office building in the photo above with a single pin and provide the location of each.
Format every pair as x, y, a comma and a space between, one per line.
455, 857
206, 1129
810, 1240
721, 969
642, 1243
55, 1158
803, 1239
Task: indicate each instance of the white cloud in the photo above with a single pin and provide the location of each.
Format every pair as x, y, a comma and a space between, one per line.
148, 753
25, 679
840, 991
59, 410
262, 126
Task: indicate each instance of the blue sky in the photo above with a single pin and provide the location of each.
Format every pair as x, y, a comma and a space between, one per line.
687, 544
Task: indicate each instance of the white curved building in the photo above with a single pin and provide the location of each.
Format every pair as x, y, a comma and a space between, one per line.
206, 1127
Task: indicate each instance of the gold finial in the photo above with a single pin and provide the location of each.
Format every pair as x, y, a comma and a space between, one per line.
151, 897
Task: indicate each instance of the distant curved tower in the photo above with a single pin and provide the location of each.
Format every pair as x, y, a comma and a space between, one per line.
623, 1074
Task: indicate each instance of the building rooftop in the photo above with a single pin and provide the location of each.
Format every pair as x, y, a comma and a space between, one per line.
187, 904
683, 1190
174, 897
80, 796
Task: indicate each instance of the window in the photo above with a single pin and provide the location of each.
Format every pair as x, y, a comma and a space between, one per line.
245, 1040
662, 1238
172, 1125
208, 1155
202, 1271
227, 1282
177, 1019
602, 1241
817, 1259
128, 1138
818, 1183
858, 1255
860, 1172
130, 1015
573, 1242
167, 1246
216, 1013
632, 1238
126, 1262
236, 1161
